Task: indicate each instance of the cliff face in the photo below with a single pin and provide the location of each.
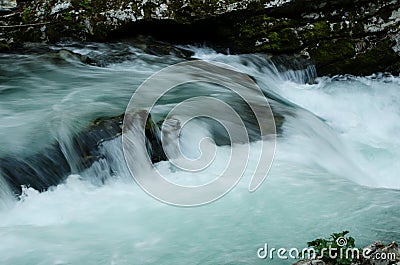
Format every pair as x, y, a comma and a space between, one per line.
340, 36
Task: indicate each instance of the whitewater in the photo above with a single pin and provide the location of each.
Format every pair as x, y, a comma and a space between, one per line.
335, 166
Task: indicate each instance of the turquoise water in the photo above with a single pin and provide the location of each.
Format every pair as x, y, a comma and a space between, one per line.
335, 166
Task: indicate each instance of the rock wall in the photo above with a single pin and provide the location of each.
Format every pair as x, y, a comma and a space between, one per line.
341, 36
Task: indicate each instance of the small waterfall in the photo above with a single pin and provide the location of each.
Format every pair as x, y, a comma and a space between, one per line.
321, 147
6, 196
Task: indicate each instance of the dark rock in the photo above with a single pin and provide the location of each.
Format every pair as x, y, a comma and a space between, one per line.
65, 54
40, 171
54, 164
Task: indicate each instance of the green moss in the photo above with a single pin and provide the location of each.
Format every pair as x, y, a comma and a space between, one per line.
253, 27
85, 4
288, 40
273, 37
381, 58
67, 16
382, 52
248, 31
277, 35
320, 245
4, 46
320, 30
284, 41
26, 15
148, 10
328, 51
321, 26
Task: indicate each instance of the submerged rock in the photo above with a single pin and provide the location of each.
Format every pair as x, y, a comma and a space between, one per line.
40, 171
66, 54
51, 166
340, 37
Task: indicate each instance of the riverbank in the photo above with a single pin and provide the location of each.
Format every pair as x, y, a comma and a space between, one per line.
339, 37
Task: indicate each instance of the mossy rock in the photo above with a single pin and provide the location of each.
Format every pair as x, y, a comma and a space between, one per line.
330, 51
329, 32
266, 34
4, 46
319, 30
381, 58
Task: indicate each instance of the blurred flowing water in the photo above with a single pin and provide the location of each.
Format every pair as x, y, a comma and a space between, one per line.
336, 164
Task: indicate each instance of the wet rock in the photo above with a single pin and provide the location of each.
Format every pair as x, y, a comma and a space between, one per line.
39, 171
379, 254
54, 164
66, 54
